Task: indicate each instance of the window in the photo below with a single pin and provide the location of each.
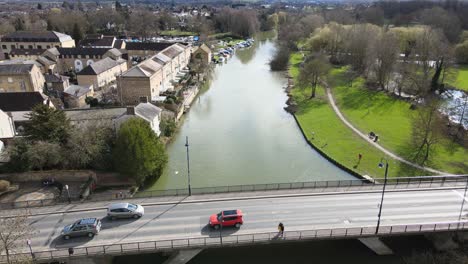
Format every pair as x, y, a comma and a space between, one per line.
39, 46
21, 47
48, 46
13, 46
30, 47
4, 46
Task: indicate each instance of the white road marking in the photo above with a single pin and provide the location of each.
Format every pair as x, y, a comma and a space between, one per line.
459, 194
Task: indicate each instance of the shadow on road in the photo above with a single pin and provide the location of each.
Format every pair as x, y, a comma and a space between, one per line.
207, 230
59, 242
108, 223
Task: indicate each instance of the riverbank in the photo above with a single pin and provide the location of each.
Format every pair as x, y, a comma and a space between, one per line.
323, 129
368, 110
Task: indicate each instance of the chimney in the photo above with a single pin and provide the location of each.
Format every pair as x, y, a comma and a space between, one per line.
130, 110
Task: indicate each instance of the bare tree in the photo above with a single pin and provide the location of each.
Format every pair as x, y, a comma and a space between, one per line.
14, 233
431, 53
386, 52
315, 68
426, 130
359, 40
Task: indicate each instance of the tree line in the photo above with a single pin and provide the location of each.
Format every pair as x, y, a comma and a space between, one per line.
142, 20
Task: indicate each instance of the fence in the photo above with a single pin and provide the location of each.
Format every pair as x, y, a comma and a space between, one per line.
234, 240
403, 182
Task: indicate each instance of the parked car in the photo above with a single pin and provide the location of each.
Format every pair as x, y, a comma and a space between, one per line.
125, 210
84, 227
226, 218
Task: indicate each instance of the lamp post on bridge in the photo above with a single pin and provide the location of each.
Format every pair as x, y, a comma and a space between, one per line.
381, 164
463, 203
188, 166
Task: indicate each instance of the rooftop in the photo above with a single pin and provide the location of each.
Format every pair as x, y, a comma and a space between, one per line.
147, 111
20, 101
147, 46
36, 36
83, 51
95, 113
15, 69
101, 66
77, 90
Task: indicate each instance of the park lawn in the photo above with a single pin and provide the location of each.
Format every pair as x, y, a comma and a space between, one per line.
326, 131
391, 119
177, 33
461, 81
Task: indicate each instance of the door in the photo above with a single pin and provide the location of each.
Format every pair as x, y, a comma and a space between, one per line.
229, 221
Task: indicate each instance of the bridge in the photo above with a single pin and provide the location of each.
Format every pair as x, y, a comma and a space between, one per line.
320, 210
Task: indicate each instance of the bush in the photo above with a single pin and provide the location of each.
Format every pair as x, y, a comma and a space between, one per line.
168, 127
4, 185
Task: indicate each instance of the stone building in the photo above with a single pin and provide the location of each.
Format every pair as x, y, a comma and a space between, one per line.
103, 73
75, 95
20, 77
203, 52
34, 40
140, 51
141, 83
145, 81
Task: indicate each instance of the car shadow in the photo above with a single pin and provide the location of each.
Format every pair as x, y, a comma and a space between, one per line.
108, 223
59, 242
207, 230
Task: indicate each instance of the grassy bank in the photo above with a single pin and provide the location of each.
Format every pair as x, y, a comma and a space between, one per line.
391, 119
461, 81
326, 131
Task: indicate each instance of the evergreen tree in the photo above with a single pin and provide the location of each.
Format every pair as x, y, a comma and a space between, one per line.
19, 24
49, 25
77, 33
39, 6
47, 124
138, 152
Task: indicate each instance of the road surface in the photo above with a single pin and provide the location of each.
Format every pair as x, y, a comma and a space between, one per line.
179, 220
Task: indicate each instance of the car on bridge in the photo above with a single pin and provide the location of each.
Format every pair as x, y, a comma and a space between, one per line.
84, 227
125, 210
227, 218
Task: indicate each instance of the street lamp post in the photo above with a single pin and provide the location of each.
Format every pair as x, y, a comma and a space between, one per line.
30, 248
188, 166
221, 221
383, 193
463, 202
68, 193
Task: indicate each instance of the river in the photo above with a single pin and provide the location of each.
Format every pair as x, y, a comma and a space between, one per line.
239, 132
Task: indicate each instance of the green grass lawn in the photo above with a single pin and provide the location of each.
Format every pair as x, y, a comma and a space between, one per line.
461, 81
326, 131
391, 119
177, 33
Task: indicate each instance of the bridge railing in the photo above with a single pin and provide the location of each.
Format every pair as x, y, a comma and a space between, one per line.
370, 184
243, 239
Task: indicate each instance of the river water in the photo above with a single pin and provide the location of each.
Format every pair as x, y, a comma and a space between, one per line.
239, 132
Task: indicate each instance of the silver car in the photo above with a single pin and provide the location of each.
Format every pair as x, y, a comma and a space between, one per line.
125, 210
84, 227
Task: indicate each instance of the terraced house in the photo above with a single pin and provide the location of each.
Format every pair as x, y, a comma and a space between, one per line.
103, 73
145, 81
